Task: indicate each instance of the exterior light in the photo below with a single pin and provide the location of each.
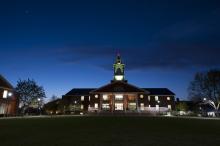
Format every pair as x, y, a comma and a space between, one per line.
9, 94
75, 102
39, 99
141, 96
204, 99
119, 77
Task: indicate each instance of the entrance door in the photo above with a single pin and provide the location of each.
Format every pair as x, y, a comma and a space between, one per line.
119, 106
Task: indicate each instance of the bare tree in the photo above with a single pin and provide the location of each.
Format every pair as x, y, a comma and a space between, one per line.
206, 88
29, 93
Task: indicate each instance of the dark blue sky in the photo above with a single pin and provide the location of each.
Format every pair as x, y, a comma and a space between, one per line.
67, 44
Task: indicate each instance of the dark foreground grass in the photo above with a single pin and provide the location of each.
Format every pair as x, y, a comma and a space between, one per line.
109, 131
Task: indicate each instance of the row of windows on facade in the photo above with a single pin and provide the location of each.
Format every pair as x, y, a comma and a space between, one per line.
120, 97
131, 105
6, 94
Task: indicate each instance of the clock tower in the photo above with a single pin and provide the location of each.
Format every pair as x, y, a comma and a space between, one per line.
118, 69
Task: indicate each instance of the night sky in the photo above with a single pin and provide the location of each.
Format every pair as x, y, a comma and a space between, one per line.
72, 44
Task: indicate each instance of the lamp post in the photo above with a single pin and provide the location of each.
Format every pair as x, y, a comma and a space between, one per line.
159, 105
75, 102
39, 105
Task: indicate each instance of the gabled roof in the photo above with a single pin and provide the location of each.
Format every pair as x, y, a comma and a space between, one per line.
80, 91
119, 86
159, 91
4, 83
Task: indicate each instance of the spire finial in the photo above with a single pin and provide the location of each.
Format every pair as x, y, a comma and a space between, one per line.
118, 53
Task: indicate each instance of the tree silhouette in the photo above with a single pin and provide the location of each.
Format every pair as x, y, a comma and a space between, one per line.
29, 93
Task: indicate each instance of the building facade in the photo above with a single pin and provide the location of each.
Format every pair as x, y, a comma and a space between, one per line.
119, 96
8, 100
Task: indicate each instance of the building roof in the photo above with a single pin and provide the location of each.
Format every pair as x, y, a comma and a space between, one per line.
80, 91
159, 91
4, 83
119, 86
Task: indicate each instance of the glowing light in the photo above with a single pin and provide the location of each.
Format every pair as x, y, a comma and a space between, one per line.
141, 96
105, 97
9, 94
82, 98
119, 77
118, 97
168, 98
5, 94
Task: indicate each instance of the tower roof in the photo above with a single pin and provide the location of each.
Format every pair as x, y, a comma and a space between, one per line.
118, 59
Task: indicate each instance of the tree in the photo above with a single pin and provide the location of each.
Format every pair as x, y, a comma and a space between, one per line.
53, 97
30, 94
206, 88
182, 106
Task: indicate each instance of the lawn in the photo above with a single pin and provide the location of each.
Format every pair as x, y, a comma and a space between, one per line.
109, 131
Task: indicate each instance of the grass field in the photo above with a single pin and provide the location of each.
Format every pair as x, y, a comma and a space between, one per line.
109, 131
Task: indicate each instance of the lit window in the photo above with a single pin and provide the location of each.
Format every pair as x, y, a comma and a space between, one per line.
118, 97
119, 106
156, 98
82, 106
105, 97
157, 107
168, 98
105, 106
142, 106
5, 94
96, 96
82, 98
169, 107
148, 98
96, 105
89, 98
141, 96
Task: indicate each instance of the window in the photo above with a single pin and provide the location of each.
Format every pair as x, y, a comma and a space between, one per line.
148, 98
169, 107
119, 106
105, 97
5, 94
141, 96
89, 98
82, 106
96, 105
156, 98
132, 106
105, 106
142, 106
168, 98
96, 96
157, 107
118, 97
82, 98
